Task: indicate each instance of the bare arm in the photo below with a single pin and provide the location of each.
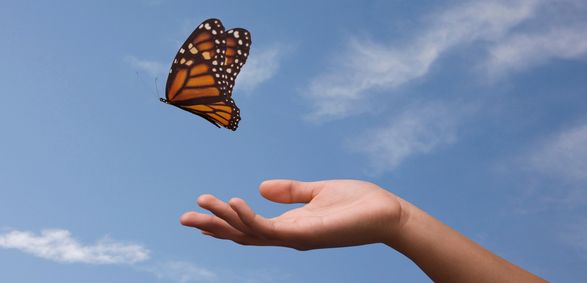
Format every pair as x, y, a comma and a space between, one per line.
346, 213
445, 255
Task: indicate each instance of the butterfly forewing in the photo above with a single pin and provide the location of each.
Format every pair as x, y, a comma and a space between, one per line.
198, 68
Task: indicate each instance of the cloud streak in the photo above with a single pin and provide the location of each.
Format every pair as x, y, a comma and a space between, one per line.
181, 271
564, 155
152, 68
375, 66
506, 36
261, 66
558, 164
522, 51
58, 245
417, 130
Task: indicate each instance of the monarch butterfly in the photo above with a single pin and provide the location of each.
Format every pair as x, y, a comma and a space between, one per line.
204, 71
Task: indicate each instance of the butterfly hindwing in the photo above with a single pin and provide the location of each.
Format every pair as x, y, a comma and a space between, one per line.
223, 112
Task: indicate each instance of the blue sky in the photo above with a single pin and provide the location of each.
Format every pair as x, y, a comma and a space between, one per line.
473, 111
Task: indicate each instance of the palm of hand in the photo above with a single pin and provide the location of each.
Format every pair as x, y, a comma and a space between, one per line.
336, 213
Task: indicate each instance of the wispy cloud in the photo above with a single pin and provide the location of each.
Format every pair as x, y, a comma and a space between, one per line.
375, 66
261, 66
559, 164
508, 36
181, 271
563, 155
417, 130
521, 51
188, 272
58, 245
152, 68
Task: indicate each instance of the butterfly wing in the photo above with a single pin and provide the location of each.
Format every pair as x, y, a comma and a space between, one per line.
223, 112
195, 71
238, 44
198, 77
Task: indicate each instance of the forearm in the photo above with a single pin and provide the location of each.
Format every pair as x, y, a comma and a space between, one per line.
445, 255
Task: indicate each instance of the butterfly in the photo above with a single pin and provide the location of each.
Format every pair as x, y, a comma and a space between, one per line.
204, 71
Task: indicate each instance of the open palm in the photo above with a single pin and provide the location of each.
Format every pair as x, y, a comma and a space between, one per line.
336, 213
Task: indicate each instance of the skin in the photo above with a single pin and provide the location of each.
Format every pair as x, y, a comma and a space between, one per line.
340, 213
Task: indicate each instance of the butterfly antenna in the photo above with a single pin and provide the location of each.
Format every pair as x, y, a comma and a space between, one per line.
139, 78
157, 90
157, 87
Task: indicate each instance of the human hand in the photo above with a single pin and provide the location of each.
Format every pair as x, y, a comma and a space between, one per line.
336, 213
341, 213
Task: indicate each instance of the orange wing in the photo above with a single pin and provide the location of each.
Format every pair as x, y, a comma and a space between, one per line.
223, 112
196, 81
197, 70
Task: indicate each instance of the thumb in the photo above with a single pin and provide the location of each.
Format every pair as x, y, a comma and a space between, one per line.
289, 191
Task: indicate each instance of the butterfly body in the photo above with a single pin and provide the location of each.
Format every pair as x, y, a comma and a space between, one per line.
204, 71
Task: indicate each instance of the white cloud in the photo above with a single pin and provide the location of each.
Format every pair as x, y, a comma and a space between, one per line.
261, 66
507, 36
418, 130
58, 245
558, 168
182, 272
187, 272
521, 51
152, 68
373, 66
563, 155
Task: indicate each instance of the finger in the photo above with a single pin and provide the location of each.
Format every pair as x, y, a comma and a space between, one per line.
290, 191
209, 223
256, 223
245, 240
223, 211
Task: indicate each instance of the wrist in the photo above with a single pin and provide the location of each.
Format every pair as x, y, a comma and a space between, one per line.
396, 235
